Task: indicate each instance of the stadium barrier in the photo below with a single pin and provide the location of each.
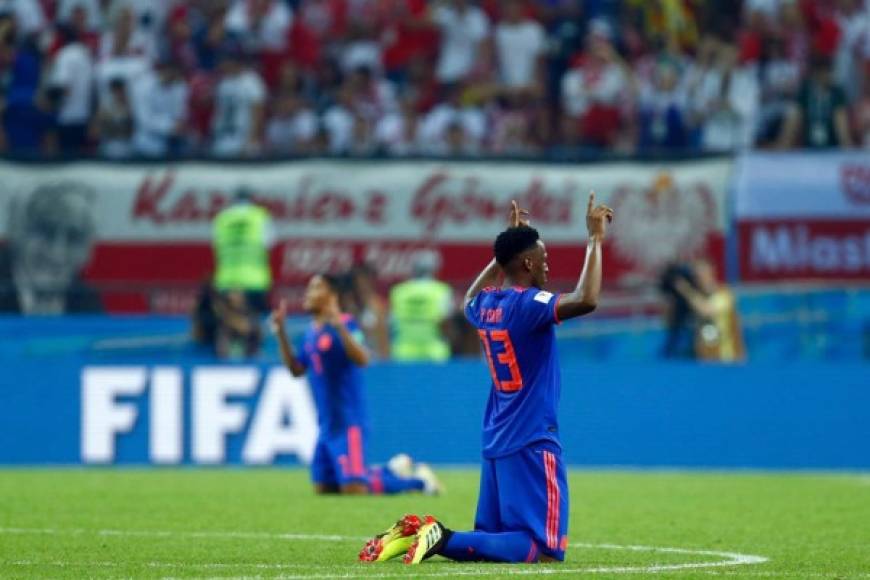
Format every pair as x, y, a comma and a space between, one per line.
86, 410
149, 246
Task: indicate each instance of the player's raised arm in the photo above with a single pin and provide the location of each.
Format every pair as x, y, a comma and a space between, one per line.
353, 346
490, 275
276, 321
584, 298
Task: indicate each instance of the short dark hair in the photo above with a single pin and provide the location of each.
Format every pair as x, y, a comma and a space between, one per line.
334, 282
512, 242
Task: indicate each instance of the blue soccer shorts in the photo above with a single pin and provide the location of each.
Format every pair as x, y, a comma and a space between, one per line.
527, 491
339, 458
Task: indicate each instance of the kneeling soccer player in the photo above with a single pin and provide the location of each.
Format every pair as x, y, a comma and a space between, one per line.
332, 353
522, 510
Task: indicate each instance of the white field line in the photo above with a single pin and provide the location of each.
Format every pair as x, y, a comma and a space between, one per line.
725, 558
181, 534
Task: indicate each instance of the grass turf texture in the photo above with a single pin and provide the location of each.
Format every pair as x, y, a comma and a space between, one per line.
231, 523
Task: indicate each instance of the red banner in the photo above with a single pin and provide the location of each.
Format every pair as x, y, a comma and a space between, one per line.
777, 249
150, 226
804, 216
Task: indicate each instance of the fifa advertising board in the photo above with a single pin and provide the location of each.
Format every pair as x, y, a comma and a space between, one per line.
804, 216
150, 224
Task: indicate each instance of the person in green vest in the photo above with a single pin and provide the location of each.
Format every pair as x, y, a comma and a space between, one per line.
242, 236
420, 307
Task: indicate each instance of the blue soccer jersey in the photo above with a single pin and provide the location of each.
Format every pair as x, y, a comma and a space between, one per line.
516, 328
336, 382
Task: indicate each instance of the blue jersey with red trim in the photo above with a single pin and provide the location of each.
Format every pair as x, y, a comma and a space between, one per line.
336, 382
519, 341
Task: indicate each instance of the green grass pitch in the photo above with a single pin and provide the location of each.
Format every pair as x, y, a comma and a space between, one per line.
220, 523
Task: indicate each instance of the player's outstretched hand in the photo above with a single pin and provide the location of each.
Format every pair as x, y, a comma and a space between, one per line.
276, 319
597, 218
518, 217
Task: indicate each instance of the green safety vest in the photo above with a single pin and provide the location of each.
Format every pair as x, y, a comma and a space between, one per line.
418, 307
241, 255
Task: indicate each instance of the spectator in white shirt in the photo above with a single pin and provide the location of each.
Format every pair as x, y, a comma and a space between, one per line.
520, 45
457, 141
237, 124
159, 101
373, 95
339, 122
260, 25
119, 58
464, 32
73, 72
362, 50
722, 99
434, 134
293, 128
29, 17
113, 124
396, 132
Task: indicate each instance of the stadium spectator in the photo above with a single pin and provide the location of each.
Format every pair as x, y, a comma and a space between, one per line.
50, 234
453, 127
119, 58
242, 237
28, 15
126, 39
89, 9
721, 99
339, 122
237, 125
407, 36
465, 31
73, 73
361, 51
262, 29
208, 25
779, 82
179, 45
420, 308
293, 127
541, 74
512, 124
861, 113
396, 132
113, 125
593, 92
30, 113
261, 25
520, 46
662, 110
159, 104
87, 33
819, 119
373, 96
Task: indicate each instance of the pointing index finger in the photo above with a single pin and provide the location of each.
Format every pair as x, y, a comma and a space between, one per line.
591, 202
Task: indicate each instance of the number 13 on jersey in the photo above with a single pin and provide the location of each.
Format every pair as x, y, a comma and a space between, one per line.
500, 354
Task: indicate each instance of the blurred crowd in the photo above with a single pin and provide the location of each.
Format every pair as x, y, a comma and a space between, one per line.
236, 78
